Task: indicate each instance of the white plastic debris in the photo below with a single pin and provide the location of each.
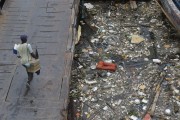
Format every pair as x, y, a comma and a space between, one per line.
118, 102
95, 88
82, 23
84, 99
80, 67
94, 40
110, 25
108, 61
117, 14
144, 107
140, 21
146, 59
109, 13
88, 5
90, 82
133, 117
103, 31
176, 91
166, 68
85, 113
111, 31
108, 74
141, 93
93, 67
91, 52
137, 101
144, 101
168, 112
158, 46
93, 100
142, 18
153, 20
84, 50
105, 108
156, 60
79, 34
123, 107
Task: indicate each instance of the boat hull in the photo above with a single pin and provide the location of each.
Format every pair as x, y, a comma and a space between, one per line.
171, 11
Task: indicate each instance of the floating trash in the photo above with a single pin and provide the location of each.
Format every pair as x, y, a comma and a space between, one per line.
105, 108
144, 108
137, 101
133, 117
168, 112
138, 50
136, 39
156, 61
93, 67
90, 82
89, 5
144, 101
94, 40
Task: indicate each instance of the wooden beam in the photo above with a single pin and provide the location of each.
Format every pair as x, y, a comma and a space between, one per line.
133, 4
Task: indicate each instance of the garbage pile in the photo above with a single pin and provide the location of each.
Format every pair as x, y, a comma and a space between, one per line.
126, 64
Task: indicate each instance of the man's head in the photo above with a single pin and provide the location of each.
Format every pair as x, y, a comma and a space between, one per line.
23, 38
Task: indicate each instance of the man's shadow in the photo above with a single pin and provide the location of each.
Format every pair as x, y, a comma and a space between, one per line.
26, 91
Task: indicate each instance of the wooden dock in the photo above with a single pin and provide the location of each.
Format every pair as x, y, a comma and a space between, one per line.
48, 24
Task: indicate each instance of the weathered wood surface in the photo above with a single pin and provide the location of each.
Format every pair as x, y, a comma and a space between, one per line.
47, 24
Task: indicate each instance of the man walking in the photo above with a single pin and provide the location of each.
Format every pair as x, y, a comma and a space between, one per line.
1, 5
27, 55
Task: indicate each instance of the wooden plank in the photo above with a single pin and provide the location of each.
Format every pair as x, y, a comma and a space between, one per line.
6, 83
34, 113
50, 30
42, 86
7, 57
155, 100
39, 103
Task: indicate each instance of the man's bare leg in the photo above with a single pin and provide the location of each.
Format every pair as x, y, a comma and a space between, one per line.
30, 78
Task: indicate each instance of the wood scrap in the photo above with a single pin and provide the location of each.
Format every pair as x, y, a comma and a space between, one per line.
133, 4
152, 105
155, 100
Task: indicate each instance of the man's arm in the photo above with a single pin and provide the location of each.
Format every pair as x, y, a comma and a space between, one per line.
33, 55
31, 51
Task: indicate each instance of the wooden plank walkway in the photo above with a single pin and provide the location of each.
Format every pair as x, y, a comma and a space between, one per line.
48, 25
